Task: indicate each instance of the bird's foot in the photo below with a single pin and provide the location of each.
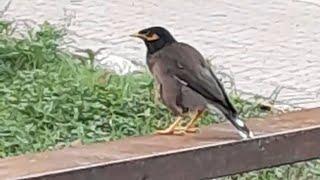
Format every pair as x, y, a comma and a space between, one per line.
188, 129
170, 131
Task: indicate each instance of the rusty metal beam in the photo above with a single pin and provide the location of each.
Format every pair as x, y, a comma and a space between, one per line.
216, 151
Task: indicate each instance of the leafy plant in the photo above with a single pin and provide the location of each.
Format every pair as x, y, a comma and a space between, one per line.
50, 98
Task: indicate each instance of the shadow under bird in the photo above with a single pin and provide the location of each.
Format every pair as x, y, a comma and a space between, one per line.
186, 83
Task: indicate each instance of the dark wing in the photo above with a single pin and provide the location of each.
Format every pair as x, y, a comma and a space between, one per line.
188, 66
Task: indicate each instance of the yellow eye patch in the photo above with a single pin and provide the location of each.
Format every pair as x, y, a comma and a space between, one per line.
147, 36
152, 37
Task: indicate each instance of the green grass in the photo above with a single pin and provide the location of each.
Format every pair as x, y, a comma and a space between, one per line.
309, 170
50, 98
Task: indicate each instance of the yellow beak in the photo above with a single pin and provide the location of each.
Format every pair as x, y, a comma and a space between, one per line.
145, 37
138, 35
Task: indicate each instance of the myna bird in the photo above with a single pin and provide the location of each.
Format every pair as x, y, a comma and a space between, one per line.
186, 82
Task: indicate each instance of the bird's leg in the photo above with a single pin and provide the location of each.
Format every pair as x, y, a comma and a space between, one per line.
172, 128
157, 93
190, 127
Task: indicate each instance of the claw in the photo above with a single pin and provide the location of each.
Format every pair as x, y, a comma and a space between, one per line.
170, 132
188, 130
191, 126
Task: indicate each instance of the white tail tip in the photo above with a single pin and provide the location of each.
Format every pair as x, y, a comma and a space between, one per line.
245, 135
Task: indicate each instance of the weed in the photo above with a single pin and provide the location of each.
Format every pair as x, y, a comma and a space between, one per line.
50, 98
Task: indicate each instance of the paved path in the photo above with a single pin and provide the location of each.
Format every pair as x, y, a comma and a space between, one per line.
262, 44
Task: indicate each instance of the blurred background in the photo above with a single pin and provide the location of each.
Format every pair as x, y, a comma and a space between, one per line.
52, 96
269, 48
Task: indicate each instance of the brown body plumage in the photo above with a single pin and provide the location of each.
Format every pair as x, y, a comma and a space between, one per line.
186, 82
174, 91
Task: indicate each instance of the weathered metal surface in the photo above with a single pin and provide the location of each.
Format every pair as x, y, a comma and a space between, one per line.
216, 151
263, 44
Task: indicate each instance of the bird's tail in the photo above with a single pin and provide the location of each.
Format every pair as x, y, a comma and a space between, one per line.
243, 130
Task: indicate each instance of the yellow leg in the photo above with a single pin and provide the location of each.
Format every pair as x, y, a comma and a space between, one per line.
157, 93
190, 127
172, 129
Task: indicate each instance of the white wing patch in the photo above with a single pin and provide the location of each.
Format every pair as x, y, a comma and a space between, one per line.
180, 80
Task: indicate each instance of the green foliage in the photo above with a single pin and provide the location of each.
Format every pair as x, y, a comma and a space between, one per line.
50, 98
298, 171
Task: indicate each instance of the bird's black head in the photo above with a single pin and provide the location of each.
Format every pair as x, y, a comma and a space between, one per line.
155, 38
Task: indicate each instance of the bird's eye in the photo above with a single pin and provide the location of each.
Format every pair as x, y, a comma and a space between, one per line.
150, 36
